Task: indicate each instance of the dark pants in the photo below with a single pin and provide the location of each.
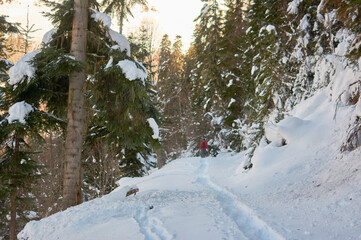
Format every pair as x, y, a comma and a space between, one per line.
204, 153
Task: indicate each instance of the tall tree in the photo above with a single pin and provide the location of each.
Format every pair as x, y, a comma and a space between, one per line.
173, 98
209, 86
76, 109
119, 104
235, 55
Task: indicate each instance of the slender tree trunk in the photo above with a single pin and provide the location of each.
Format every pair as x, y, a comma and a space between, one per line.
121, 17
13, 197
13, 213
76, 110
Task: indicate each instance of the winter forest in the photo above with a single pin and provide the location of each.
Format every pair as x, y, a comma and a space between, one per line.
90, 106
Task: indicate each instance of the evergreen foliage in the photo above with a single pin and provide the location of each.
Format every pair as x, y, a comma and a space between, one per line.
173, 98
208, 86
119, 108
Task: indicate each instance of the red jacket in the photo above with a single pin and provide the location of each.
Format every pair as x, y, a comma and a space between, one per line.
202, 144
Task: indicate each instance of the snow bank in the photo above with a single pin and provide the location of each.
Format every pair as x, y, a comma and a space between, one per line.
19, 111
131, 70
289, 130
22, 68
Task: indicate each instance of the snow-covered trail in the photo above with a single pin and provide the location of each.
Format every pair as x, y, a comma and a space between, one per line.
180, 201
247, 221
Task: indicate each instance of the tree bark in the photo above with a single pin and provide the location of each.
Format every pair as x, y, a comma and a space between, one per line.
76, 110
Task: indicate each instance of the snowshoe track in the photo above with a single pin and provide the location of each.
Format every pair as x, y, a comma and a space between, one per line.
151, 227
247, 221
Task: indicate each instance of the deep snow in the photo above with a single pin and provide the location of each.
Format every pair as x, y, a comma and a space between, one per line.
305, 189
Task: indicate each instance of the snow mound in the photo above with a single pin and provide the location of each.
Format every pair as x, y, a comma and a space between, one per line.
289, 130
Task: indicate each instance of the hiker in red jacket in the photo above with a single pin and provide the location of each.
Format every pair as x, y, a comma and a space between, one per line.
204, 149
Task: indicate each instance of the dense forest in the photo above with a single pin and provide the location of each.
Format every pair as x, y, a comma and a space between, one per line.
89, 106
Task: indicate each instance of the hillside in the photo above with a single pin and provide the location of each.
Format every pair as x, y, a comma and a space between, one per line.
306, 189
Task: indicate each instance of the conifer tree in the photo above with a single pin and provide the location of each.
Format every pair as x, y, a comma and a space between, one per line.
236, 72
118, 100
173, 97
21, 120
209, 85
143, 47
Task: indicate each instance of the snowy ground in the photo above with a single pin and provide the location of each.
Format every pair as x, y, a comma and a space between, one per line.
303, 190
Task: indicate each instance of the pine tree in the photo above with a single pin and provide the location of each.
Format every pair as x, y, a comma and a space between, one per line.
22, 122
173, 97
164, 91
118, 101
143, 47
18, 170
236, 73
209, 85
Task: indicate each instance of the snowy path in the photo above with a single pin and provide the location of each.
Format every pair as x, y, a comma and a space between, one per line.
247, 221
151, 227
206, 199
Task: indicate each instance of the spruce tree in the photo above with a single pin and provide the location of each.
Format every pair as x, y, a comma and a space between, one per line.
208, 85
21, 121
118, 100
236, 73
173, 97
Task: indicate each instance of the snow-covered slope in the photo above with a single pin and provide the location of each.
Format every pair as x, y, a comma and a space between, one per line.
300, 187
306, 189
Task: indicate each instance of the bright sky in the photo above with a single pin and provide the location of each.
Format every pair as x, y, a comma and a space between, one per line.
175, 17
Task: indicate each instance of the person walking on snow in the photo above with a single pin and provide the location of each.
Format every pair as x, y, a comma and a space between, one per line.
204, 149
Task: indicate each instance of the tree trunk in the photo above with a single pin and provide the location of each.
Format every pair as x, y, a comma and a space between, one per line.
121, 17
76, 110
13, 214
13, 211
14, 194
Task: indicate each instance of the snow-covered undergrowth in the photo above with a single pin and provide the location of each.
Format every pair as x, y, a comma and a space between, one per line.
305, 189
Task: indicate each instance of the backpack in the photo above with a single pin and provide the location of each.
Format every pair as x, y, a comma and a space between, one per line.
204, 145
